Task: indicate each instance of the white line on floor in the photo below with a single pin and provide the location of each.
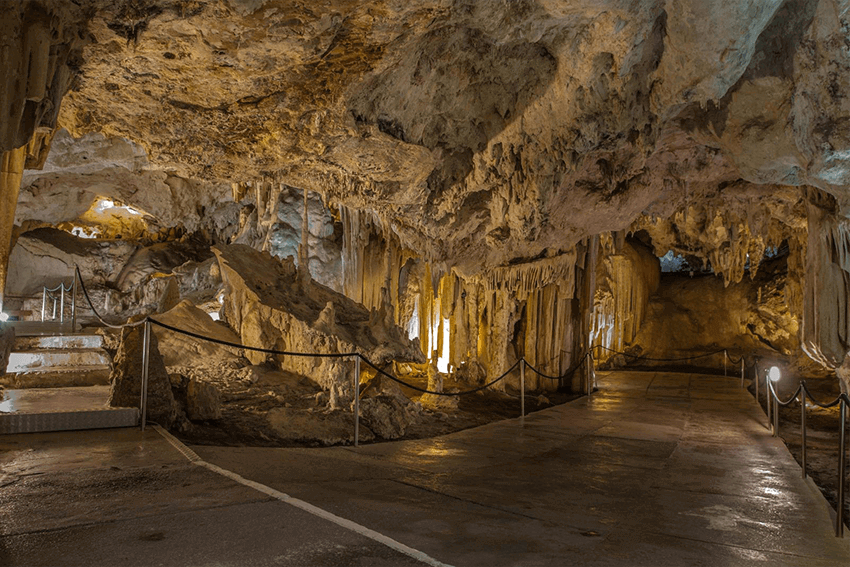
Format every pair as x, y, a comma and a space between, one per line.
306, 506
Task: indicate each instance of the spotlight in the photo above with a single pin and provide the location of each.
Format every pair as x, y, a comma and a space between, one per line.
774, 374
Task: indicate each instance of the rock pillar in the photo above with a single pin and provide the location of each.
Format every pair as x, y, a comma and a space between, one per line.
11, 171
825, 329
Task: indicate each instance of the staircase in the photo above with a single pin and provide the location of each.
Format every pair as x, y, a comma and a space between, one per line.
57, 380
57, 361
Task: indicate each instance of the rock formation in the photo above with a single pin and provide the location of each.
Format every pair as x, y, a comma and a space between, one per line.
268, 307
126, 379
460, 161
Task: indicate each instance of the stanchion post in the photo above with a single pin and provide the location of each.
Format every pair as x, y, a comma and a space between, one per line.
74, 303
842, 437
522, 387
742, 371
803, 426
768, 403
725, 360
62, 302
775, 411
43, 302
756, 376
146, 356
357, 400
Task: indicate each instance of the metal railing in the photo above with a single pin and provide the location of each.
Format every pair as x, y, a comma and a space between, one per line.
773, 402
586, 360
60, 301
801, 394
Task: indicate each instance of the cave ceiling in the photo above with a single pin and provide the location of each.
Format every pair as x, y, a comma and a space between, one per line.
484, 133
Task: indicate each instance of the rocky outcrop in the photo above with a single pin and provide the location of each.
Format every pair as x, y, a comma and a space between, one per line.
182, 350
472, 150
7, 343
269, 308
203, 401
126, 379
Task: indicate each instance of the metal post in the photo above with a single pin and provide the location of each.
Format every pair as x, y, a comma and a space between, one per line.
742, 370
756, 375
53, 318
43, 302
357, 400
62, 304
74, 303
768, 403
775, 411
842, 438
803, 426
146, 355
522, 387
839, 515
725, 360
588, 373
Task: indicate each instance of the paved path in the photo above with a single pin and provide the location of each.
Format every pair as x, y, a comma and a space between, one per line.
656, 469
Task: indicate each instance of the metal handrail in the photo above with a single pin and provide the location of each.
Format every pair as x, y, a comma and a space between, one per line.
800, 395
802, 391
61, 288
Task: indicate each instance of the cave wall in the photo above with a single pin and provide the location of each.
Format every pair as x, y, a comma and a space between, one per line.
628, 275
480, 325
826, 310
471, 148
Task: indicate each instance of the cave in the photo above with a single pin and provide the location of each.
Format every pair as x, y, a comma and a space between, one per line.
343, 231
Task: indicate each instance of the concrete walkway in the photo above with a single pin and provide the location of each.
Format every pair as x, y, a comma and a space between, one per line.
656, 469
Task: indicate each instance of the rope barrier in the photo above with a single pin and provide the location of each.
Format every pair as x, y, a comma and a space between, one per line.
61, 285
288, 353
638, 357
426, 391
255, 349
96, 314
800, 394
566, 374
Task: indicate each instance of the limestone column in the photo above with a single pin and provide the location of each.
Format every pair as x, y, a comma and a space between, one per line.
11, 172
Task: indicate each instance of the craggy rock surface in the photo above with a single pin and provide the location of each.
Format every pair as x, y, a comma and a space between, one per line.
7, 343
488, 139
126, 379
270, 306
534, 122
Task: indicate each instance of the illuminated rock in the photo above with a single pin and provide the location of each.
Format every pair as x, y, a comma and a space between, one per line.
267, 307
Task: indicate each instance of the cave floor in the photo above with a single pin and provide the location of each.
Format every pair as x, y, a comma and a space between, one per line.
655, 469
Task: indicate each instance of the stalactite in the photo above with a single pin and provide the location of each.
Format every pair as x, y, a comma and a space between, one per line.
472, 320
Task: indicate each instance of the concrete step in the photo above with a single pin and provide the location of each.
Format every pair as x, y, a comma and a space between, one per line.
11, 423
58, 377
61, 409
79, 340
39, 400
41, 328
28, 360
